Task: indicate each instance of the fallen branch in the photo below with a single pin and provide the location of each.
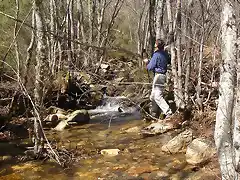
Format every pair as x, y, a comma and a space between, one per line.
82, 115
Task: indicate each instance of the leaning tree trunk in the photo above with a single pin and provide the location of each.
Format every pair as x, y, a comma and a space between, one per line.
41, 72
223, 127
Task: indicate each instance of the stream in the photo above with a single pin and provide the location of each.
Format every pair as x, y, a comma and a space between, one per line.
110, 128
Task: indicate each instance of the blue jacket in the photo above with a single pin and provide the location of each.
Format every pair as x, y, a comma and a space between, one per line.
159, 62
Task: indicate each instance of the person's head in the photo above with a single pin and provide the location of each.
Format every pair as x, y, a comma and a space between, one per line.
159, 44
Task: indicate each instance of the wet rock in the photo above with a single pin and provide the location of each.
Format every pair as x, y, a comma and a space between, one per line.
142, 168
178, 143
133, 130
199, 151
158, 128
5, 158
159, 175
55, 110
110, 152
104, 134
81, 143
105, 66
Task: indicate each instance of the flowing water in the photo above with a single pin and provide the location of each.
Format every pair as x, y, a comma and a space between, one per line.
139, 157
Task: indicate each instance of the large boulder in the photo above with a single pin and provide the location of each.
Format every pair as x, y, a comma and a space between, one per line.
199, 151
179, 142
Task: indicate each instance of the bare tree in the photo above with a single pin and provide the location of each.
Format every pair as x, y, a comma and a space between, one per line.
41, 70
152, 37
177, 91
80, 25
101, 7
180, 98
15, 41
159, 19
69, 25
188, 49
29, 51
52, 54
224, 116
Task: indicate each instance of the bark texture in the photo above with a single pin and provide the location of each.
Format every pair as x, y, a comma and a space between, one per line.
223, 127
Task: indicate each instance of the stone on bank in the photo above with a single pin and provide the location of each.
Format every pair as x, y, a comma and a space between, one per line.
110, 152
178, 143
199, 151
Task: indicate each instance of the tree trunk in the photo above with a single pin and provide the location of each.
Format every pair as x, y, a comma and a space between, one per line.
100, 17
52, 32
41, 72
91, 20
29, 52
141, 28
15, 41
223, 127
91, 12
236, 123
69, 37
189, 49
180, 99
203, 29
159, 19
80, 25
172, 50
72, 34
152, 37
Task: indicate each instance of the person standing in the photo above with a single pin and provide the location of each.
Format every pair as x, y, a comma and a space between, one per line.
158, 64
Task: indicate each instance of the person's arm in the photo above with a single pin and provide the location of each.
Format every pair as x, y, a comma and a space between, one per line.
152, 64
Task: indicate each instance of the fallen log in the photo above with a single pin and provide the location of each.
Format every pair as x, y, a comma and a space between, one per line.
79, 116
